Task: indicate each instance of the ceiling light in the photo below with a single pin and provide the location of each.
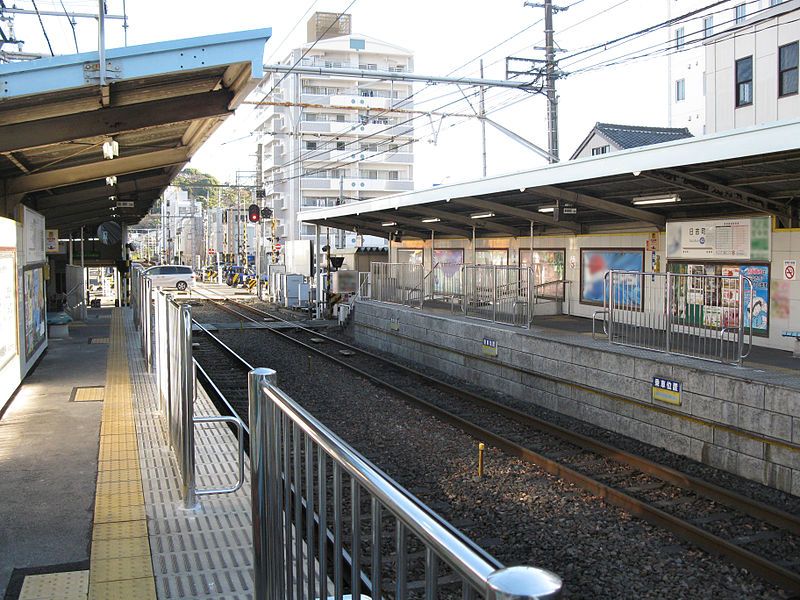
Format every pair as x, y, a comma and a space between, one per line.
111, 180
112, 198
657, 199
388, 224
522, 189
482, 215
110, 149
431, 220
547, 209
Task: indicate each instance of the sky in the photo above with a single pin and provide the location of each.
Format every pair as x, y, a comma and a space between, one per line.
444, 35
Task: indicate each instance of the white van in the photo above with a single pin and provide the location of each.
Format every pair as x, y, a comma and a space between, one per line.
171, 276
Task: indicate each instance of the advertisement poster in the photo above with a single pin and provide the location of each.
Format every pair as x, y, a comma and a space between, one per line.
548, 265
33, 236
744, 239
757, 304
51, 241
447, 278
8, 306
491, 256
35, 317
595, 263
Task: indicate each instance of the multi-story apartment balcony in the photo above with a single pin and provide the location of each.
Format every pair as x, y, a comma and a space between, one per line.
323, 182
273, 159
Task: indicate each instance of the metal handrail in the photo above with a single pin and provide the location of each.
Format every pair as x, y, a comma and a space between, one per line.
269, 475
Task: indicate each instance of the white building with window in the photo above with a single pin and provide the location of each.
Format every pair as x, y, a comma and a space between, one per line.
328, 140
752, 70
686, 59
182, 224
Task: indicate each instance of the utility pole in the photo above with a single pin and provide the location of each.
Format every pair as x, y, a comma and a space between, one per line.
482, 113
550, 82
546, 79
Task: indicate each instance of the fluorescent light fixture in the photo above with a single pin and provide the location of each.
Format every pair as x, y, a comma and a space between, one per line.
547, 209
431, 220
482, 215
110, 149
111, 180
656, 199
388, 224
112, 198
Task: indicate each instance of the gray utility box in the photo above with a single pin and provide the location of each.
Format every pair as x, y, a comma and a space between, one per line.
295, 290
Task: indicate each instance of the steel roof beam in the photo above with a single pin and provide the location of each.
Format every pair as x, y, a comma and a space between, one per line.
113, 121
614, 208
455, 218
97, 170
361, 226
720, 191
416, 223
513, 211
101, 190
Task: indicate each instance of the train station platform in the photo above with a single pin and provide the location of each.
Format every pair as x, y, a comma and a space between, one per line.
739, 419
91, 500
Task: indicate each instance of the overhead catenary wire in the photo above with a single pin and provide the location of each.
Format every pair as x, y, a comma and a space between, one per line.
44, 30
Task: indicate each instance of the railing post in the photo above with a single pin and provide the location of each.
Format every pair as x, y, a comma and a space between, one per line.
494, 293
523, 583
668, 332
267, 524
187, 378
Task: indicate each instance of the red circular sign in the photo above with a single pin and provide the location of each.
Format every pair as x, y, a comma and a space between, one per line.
789, 272
276, 246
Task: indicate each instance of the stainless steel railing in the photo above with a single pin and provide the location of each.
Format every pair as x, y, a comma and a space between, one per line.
176, 380
398, 283
696, 315
502, 294
305, 546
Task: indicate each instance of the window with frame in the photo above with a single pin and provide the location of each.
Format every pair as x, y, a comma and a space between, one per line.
744, 81
311, 145
740, 12
787, 69
680, 90
708, 26
680, 37
394, 175
601, 150
775, 2
340, 145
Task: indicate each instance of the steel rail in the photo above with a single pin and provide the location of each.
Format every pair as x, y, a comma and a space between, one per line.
688, 531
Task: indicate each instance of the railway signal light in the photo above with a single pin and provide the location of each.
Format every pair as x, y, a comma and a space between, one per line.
254, 213
266, 212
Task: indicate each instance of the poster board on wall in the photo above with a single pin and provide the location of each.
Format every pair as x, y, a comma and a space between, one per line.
35, 317
33, 236
547, 263
724, 239
8, 304
596, 262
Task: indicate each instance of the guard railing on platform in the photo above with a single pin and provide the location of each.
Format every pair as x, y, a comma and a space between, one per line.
177, 381
498, 293
398, 283
303, 479
696, 315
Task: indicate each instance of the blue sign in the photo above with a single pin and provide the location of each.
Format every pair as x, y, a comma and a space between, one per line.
666, 390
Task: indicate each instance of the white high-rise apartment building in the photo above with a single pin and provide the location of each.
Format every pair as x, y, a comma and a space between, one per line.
327, 139
686, 60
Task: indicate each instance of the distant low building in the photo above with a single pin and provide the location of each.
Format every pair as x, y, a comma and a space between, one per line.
608, 137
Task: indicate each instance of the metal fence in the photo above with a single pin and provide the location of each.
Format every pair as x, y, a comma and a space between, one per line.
398, 283
176, 379
502, 294
700, 316
326, 522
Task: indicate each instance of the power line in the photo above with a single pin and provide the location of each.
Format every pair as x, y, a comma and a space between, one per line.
44, 31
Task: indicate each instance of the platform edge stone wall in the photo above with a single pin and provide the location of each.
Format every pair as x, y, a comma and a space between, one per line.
748, 428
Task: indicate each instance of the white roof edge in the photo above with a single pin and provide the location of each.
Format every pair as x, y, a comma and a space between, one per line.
739, 143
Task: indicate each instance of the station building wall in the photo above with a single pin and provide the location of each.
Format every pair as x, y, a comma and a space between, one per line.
784, 294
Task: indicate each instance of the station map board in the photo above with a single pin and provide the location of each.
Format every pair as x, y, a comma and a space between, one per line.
725, 239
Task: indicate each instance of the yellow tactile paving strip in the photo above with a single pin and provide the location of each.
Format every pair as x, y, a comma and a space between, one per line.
120, 564
71, 585
88, 394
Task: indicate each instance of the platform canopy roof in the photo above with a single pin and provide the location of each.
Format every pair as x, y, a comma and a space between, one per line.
753, 171
160, 103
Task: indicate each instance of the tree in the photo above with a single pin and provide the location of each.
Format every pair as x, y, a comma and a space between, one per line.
205, 187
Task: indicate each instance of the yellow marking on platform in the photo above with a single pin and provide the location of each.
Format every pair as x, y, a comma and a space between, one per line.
71, 585
120, 565
119, 531
89, 394
142, 588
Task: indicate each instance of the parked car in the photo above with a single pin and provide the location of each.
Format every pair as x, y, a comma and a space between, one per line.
171, 276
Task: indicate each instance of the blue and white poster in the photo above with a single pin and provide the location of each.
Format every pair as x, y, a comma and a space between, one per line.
757, 303
596, 263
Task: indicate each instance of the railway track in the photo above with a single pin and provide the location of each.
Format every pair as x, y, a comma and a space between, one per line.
753, 535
